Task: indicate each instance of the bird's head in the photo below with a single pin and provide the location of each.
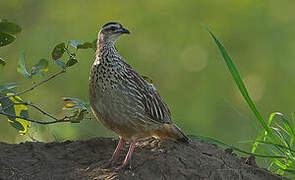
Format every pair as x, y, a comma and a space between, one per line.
111, 31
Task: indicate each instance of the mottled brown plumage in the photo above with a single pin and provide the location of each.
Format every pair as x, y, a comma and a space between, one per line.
122, 100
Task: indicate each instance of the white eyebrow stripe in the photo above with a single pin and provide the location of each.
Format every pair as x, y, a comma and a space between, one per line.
112, 25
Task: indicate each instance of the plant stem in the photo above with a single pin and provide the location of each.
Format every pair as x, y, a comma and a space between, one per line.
64, 119
36, 85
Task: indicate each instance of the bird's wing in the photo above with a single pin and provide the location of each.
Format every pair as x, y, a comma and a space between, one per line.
153, 107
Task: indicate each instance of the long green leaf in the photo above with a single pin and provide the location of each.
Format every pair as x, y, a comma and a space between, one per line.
240, 83
10, 28
21, 66
215, 141
10, 85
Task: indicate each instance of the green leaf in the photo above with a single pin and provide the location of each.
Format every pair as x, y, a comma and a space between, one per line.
239, 82
40, 68
60, 63
6, 39
75, 44
2, 62
9, 86
21, 66
215, 141
87, 45
10, 28
71, 62
78, 115
18, 110
58, 51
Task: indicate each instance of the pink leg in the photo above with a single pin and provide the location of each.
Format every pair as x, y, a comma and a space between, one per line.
116, 152
129, 154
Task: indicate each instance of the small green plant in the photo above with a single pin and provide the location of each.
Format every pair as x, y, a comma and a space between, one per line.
12, 104
276, 140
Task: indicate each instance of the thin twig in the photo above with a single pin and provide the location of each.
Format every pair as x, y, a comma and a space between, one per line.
36, 85
36, 107
64, 119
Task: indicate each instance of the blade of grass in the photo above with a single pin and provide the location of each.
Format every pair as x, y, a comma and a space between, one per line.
240, 83
285, 136
289, 130
278, 145
215, 141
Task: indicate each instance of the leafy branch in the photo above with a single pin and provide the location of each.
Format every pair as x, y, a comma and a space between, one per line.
11, 104
32, 105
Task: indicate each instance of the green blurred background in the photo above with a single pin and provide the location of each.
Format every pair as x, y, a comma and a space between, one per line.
169, 44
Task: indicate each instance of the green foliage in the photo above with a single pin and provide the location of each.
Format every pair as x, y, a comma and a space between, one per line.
8, 86
72, 58
2, 62
11, 106
283, 145
21, 66
7, 32
60, 63
71, 62
79, 109
279, 140
75, 44
83, 45
87, 45
40, 68
218, 142
236, 76
78, 115
10, 28
6, 39
58, 51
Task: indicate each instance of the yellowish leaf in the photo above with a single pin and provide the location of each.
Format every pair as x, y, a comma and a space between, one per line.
20, 110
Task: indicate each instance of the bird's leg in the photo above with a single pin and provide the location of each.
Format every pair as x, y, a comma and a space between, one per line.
129, 154
117, 150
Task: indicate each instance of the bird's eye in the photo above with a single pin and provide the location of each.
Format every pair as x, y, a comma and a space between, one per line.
112, 28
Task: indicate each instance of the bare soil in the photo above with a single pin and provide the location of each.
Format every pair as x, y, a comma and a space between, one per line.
152, 159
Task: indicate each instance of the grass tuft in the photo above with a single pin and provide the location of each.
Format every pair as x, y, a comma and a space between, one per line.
276, 140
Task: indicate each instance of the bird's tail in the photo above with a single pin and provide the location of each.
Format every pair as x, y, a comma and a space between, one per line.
172, 132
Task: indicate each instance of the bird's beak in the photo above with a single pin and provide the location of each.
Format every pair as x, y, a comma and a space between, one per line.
125, 31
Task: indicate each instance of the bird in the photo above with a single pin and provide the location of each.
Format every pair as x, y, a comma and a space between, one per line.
122, 100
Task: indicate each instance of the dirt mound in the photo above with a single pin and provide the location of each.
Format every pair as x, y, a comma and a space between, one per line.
152, 159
